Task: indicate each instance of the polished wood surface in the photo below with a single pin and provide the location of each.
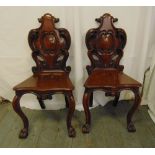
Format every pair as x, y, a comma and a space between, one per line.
105, 49
49, 47
54, 81
110, 78
105, 44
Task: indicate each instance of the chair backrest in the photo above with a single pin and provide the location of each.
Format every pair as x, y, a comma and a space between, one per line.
105, 44
49, 45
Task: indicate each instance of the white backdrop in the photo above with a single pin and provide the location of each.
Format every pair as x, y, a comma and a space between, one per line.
15, 54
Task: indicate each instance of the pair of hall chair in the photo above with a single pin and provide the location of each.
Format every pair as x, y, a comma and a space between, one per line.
50, 47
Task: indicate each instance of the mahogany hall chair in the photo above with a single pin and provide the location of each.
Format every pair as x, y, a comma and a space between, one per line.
105, 49
49, 47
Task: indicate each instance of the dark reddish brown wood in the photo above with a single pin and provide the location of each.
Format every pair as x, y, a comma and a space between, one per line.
50, 47
86, 100
105, 49
16, 107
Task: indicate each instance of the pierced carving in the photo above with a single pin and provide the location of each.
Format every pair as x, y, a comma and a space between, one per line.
49, 45
105, 44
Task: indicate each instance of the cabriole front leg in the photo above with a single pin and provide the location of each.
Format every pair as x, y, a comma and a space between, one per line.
130, 124
86, 102
71, 109
17, 109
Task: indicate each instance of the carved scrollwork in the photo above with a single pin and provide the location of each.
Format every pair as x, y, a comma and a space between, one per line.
49, 42
105, 44
49, 45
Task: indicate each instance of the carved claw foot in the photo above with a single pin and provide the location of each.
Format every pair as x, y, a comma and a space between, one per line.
131, 127
86, 128
71, 132
23, 133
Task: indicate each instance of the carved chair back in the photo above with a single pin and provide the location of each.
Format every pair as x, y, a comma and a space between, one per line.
105, 44
49, 46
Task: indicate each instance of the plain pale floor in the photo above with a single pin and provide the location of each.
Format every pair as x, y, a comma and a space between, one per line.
48, 128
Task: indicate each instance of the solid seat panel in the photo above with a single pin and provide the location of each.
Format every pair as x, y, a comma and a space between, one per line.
47, 82
110, 78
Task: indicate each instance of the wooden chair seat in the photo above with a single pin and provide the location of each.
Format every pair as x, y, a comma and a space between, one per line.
110, 79
55, 81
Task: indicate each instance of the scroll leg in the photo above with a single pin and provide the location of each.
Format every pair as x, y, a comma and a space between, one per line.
66, 100
86, 99
41, 102
130, 124
91, 100
116, 99
17, 109
71, 105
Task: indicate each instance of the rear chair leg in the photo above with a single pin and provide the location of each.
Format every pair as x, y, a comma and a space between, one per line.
116, 99
41, 102
66, 100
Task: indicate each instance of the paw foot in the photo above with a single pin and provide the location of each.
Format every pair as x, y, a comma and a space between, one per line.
71, 132
23, 133
131, 127
86, 128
